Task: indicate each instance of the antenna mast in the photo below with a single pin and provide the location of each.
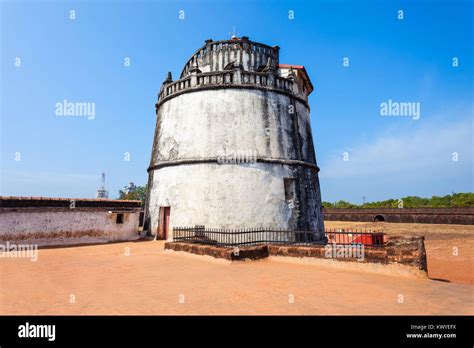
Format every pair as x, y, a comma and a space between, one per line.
102, 192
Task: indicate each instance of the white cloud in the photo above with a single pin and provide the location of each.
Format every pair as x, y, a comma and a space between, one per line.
427, 149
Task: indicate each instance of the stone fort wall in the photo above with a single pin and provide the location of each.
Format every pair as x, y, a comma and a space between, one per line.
462, 216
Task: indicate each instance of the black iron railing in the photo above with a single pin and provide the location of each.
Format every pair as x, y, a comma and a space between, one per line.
248, 237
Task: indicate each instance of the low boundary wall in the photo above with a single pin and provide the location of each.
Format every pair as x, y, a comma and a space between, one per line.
459, 216
406, 251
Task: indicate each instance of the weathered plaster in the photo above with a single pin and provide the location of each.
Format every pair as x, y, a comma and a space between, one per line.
55, 226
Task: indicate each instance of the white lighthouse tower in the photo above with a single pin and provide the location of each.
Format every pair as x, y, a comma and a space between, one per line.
233, 145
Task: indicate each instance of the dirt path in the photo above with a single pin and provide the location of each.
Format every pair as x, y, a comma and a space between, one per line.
101, 279
449, 248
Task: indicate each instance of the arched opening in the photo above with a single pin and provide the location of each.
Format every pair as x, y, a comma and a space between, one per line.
379, 218
230, 66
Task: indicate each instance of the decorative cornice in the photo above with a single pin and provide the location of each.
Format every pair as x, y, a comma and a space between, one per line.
230, 86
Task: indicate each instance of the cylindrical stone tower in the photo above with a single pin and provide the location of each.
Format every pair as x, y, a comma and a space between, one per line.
233, 146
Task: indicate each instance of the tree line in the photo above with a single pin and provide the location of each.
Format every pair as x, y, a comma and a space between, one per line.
450, 201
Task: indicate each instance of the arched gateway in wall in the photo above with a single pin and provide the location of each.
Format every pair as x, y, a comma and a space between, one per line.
233, 145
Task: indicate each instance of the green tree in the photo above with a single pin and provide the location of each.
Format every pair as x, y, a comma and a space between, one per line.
344, 204
328, 205
463, 199
138, 194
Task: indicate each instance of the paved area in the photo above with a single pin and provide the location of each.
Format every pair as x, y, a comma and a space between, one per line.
142, 278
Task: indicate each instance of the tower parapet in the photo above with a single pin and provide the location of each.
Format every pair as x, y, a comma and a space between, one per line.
237, 63
225, 54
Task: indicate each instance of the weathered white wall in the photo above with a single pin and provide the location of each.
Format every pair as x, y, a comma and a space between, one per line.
211, 122
50, 226
223, 196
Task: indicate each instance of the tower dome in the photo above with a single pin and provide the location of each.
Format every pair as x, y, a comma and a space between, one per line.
233, 145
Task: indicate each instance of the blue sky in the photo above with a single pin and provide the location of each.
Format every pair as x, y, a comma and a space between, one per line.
405, 60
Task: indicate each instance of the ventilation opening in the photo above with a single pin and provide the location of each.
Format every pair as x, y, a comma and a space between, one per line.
119, 219
289, 188
379, 218
230, 66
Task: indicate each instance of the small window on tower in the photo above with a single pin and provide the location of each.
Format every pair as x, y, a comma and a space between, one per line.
119, 219
289, 188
